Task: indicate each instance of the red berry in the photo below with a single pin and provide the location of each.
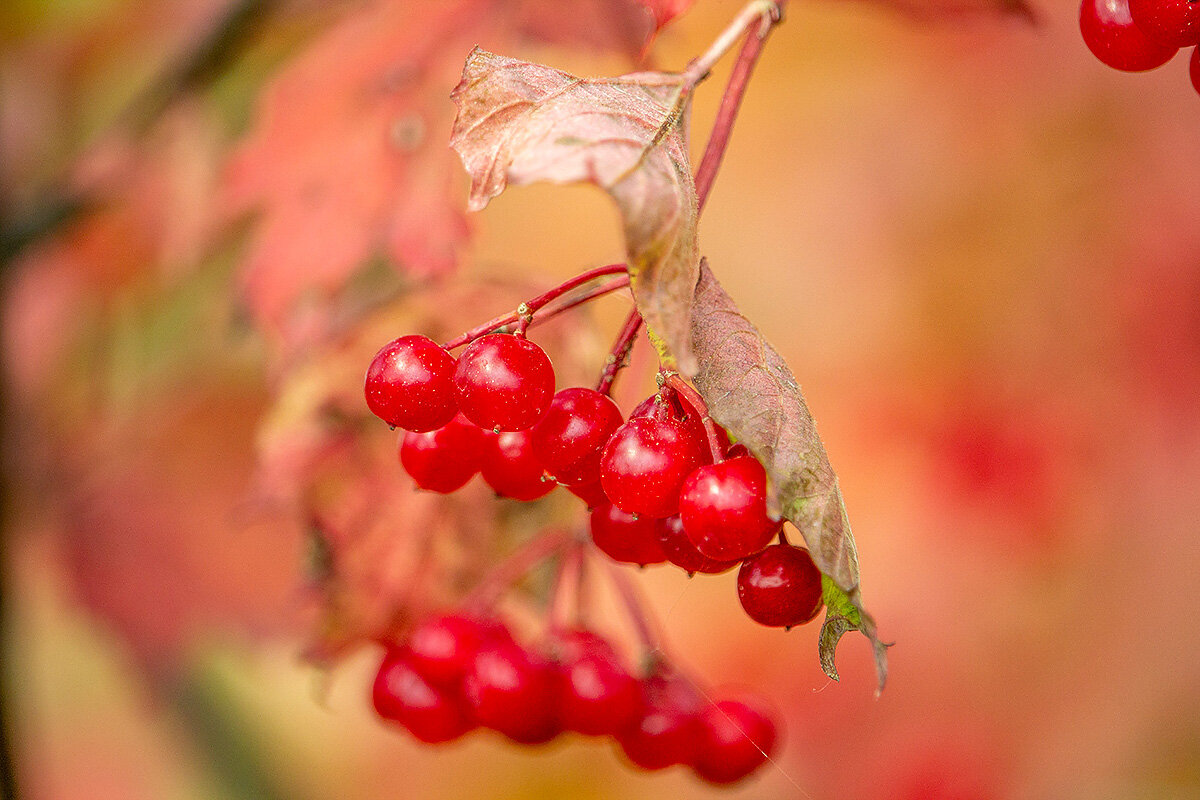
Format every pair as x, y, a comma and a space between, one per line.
513, 691
442, 647
736, 738
598, 695
682, 553
1110, 34
569, 438
624, 537
650, 407
510, 467
724, 509
644, 464
1171, 22
401, 694
668, 730
410, 384
443, 460
780, 587
1194, 68
590, 493
504, 382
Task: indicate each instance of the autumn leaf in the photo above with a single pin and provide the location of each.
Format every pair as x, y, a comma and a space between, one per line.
520, 122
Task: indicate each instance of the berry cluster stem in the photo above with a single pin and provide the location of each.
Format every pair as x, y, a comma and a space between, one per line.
619, 354
634, 609
511, 569
690, 397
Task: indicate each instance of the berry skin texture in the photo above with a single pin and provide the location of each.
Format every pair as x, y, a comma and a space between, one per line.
644, 464
780, 587
410, 384
569, 438
668, 730
513, 691
680, 551
1175, 23
598, 695
401, 694
1110, 34
510, 467
736, 737
626, 538
445, 459
504, 382
724, 509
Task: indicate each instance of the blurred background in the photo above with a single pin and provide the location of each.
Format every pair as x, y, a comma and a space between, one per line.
977, 247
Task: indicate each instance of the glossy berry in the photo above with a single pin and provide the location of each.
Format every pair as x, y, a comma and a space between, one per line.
1171, 22
410, 384
651, 407
680, 551
569, 438
1194, 68
592, 494
510, 467
780, 587
443, 647
624, 537
668, 730
401, 694
1110, 34
513, 691
597, 696
503, 382
724, 509
736, 737
445, 459
644, 464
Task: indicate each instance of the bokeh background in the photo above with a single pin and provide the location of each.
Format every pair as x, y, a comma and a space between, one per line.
977, 247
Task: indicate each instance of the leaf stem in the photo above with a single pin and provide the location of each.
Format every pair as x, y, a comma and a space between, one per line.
618, 356
768, 14
523, 316
511, 569
689, 396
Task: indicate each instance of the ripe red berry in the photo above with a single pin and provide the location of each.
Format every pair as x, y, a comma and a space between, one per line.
513, 691
569, 438
736, 737
668, 730
624, 537
1171, 22
598, 696
650, 407
680, 551
644, 464
780, 587
511, 468
410, 384
724, 509
504, 382
445, 459
1110, 34
442, 647
590, 493
403, 695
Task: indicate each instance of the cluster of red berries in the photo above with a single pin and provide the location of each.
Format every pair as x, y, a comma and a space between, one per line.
663, 486
455, 672
1139, 35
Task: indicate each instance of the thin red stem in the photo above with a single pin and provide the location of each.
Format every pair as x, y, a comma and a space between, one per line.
618, 356
731, 101
511, 569
567, 572
690, 397
633, 608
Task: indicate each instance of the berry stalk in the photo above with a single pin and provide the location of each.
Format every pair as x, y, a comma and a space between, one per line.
618, 357
691, 398
511, 569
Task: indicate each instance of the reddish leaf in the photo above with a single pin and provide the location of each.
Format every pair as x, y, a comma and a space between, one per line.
520, 122
751, 392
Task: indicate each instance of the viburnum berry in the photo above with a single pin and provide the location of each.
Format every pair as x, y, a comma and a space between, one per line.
410, 384
569, 437
1110, 34
736, 737
780, 587
513, 690
403, 695
668, 730
445, 459
680, 551
442, 647
590, 493
1171, 22
504, 382
652, 406
724, 509
597, 696
644, 464
625, 537
510, 467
